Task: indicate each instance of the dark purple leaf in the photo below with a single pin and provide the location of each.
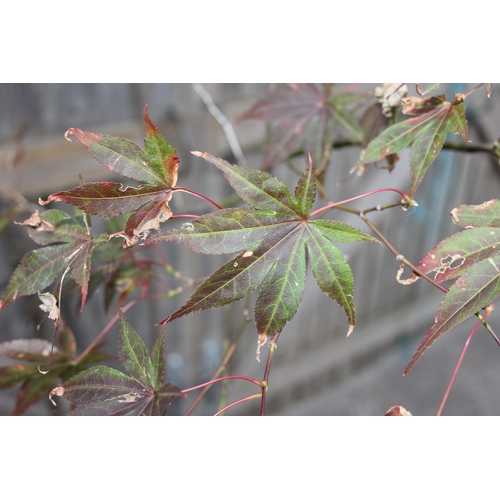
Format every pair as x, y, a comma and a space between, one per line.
306, 117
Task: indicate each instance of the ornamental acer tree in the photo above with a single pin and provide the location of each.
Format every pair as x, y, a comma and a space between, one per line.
273, 238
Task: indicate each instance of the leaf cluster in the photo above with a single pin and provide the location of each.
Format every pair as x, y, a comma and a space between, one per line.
27, 358
105, 391
67, 248
472, 258
275, 239
147, 204
426, 132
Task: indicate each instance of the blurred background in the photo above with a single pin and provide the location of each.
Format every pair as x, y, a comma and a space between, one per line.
316, 370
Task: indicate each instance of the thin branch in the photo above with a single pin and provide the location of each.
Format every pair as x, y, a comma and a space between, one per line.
223, 121
267, 372
222, 367
124, 309
418, 272
491, 148
220, 379
198, 195
489, 309
242, 400
9, 192
408, 200
474, 89
380, 208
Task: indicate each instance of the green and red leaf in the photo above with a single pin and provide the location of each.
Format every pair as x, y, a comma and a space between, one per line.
102, 391
485, 215
426, 132
157, 166
31, 355
67, 248
472, 257
273, 238
105, 391
474, 290
456, 254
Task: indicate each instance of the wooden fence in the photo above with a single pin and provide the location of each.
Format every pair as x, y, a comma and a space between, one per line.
313, 351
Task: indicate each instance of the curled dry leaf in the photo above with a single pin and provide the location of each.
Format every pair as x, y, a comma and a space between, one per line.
407, 281
416, 105
36, 222
57, 391
49, 305
397, 411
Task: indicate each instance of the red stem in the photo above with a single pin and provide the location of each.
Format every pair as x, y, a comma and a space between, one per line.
113, 320
198, 195
162, 257
489, 309
248, 398
227, 377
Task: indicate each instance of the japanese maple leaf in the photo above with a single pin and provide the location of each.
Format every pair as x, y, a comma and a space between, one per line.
472, 257
105, 391
274, 237
426, 132
28, 355
67, 248
148, 204
306, 116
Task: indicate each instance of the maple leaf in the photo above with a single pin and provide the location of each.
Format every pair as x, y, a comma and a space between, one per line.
275, 238
67, 246
105, 391
426, 132
29, 354
148, 204
426, 88
306, 117
374, 120
472, 257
